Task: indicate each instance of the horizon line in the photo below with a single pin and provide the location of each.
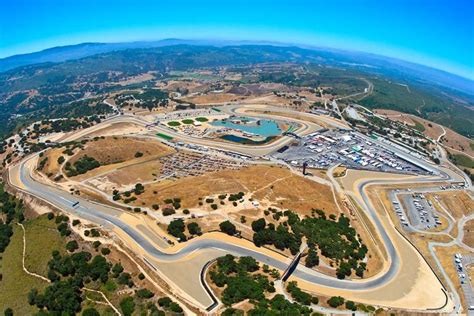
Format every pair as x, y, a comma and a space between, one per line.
269, 42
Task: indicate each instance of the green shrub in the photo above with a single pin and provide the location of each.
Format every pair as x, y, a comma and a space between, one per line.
228, 228
145, 293
127, 305
336, 301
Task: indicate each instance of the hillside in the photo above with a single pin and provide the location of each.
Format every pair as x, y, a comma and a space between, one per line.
38, 91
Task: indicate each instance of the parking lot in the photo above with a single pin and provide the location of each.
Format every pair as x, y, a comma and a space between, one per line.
328, 147
420, 212
461, 262
190, 163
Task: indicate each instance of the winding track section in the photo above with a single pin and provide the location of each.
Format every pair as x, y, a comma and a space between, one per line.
20, 176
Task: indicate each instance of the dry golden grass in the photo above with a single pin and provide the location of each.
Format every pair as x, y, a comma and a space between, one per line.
292, 115
118, 152
213, 98
132, 174
117, 129
469, 233
275, 184
340, 172
458, 203
52, 165
112, 150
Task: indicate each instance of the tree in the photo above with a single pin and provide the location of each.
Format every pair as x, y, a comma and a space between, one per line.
168, 211
164, 301
194, 229
5, 233
344, 270
176, 229
99, 269
351, 305
127, 305
105, 251
248, 264
117, 269
125, 279
8, 312
175, 308
297, 294
258, 225
336, 301
72, 246
228, 228
90, 312
145, 293
59, 297
233, 312
312, 259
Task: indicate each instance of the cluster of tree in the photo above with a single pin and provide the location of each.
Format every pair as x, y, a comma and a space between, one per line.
470, 175
62, 125
81, 166
175, 202
236, 196
147, 99
280, 237
242, 280
278, 305
5, 234
12, 208
70, 273
177, 228
299, 296
165, 304
62, 222
333, 237
228, 228
239, 279
168, 304
42, 163
137, 190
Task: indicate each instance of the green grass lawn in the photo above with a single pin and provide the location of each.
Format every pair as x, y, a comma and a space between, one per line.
167, 137
418, 126
42, 238
201, 119
174, 123
16, 284
188, 121
463, 160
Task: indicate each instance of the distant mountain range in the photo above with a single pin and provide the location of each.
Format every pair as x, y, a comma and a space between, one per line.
394, 66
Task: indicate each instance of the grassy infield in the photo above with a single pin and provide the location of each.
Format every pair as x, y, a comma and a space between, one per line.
42, 238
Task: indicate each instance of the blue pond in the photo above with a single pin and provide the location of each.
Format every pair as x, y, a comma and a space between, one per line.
263, 128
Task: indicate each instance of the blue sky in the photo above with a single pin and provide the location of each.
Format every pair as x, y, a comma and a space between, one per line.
438, 33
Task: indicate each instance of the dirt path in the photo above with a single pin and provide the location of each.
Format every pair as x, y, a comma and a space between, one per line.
49, 281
